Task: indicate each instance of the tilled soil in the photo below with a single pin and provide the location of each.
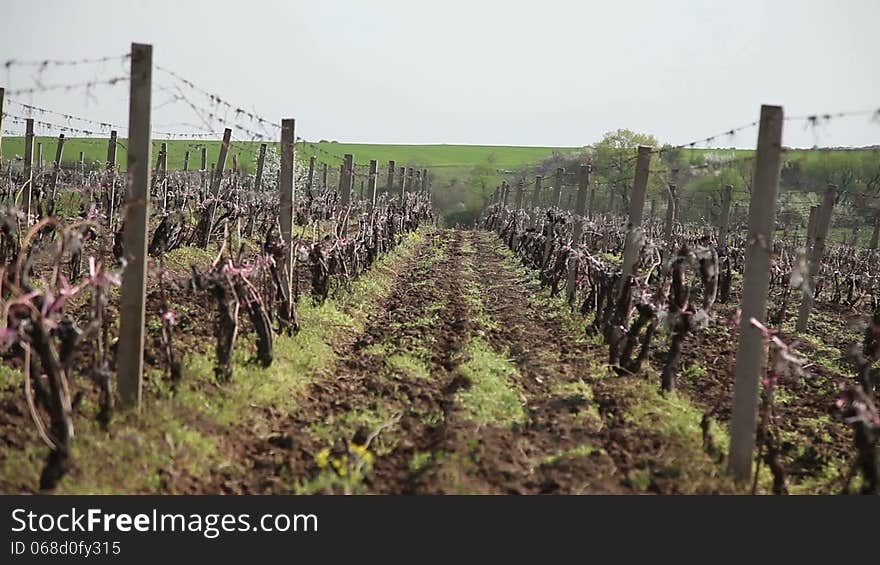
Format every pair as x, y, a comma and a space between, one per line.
460, 294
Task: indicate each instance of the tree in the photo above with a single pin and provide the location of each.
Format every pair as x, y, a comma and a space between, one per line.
615, 159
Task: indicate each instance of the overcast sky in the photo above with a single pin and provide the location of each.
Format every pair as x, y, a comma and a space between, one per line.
477, 72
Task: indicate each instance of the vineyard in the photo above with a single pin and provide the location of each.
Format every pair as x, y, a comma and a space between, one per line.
298, 322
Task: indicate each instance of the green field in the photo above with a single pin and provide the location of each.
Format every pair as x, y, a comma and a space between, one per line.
432, 156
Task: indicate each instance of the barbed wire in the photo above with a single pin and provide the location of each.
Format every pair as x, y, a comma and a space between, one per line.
88, 85
63, 63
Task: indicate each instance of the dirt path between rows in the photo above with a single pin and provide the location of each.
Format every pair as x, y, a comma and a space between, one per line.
466, 380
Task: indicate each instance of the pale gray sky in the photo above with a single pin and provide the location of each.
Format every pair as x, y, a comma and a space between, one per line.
476, 71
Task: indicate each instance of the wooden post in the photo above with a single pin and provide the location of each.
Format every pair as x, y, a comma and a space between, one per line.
324, 177
520, 188
204, 158
2, 109
424, 180
374, 174
580, 209
724, 220
186, 160
286, 200
132, 301
671, 204
40, 160
402, 172
409, 180
418, 181
632, 247
111, 171
216, 179
536, 193
56, 168
751, 354
557, 187
311, 179
28, 171
505, 193
261, 161
823, 222
341, 176
346, 179
389, 186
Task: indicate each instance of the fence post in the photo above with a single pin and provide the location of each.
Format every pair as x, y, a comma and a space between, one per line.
520, 188
374, 173
339, 184
56, 168
536, 193
28, 171
632, 247
409, 179
724, 220
402, 172
324, 177
417, 187
40, 160
261, 161
750, 357
580, 209
671, 203
424, 180
186, 160
311, 180
286, 203
389, 186
2, 109
216, 179
132, 299
111, 170
823, 222
346, 179
557, 187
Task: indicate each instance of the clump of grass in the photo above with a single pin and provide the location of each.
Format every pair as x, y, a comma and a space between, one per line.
408, 365
582, 450
493, 398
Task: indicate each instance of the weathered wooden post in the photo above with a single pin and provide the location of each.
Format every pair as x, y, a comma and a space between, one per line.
311, 178
557, 187
724, 220
751, 354
536, 193
823, 222
418, 181
40, 161
2, 110
132, 301
186, 160
424, 180
389, 185
203, 172
28, 171
324, 177
580, 209
261, 162
671, 202
373, 178
633, 244
286, 201
402, 172
56, 168
346, 179
216, 179
111, 171
520, 188
410, 180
